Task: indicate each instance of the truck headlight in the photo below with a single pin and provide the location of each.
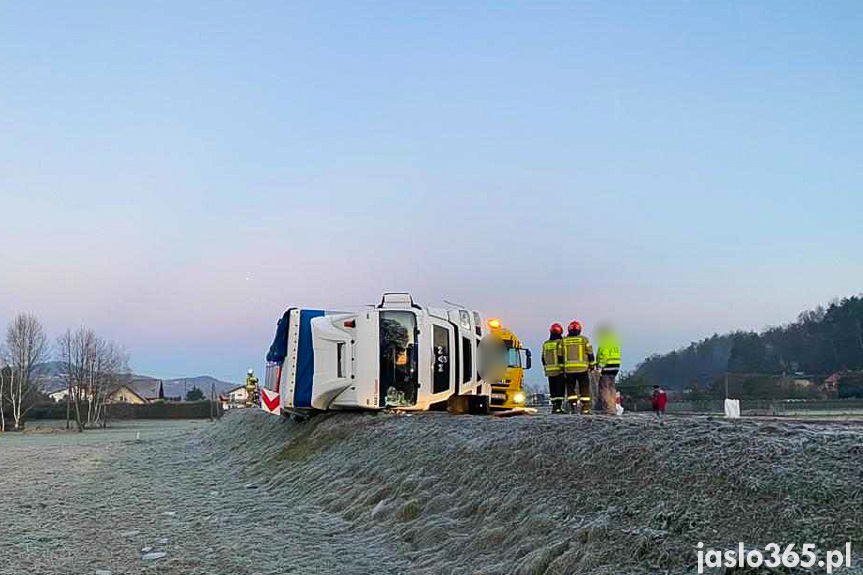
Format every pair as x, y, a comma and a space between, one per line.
518, 397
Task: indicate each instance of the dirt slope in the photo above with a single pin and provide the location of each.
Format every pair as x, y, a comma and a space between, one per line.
433, 493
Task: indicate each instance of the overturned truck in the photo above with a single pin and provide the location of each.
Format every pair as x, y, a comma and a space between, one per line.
396, 355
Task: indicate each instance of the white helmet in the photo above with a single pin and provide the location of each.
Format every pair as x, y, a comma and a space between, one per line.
251, 371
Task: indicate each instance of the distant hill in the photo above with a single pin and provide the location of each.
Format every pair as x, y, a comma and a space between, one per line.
179, 387
700, 362
820, 342
51, 374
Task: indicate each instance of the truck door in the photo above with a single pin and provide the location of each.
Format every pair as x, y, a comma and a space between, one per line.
465, 351
443, 364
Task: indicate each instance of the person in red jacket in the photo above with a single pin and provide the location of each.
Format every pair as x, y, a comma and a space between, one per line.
660, 400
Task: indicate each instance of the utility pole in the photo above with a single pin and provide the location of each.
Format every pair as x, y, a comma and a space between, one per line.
68, 407
212, 399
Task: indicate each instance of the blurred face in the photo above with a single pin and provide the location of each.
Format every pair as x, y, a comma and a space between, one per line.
604, 330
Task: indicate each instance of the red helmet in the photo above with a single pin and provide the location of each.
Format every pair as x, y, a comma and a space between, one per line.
574, 326
555, 328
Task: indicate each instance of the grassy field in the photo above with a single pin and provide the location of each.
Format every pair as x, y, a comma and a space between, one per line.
428, 493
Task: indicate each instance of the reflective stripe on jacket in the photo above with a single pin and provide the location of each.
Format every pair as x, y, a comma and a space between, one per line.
577, 354
552, 362
608, 353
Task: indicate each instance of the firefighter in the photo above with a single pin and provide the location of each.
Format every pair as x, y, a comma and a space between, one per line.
608, 364
552, 365
578, 360
251, 388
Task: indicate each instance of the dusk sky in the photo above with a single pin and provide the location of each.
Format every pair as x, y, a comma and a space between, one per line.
176, 174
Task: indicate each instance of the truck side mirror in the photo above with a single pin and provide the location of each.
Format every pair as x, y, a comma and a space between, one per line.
527, 360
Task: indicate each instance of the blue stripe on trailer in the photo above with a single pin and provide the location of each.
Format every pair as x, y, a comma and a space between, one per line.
305, 359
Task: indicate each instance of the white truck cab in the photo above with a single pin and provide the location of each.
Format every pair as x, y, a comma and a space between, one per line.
397, 355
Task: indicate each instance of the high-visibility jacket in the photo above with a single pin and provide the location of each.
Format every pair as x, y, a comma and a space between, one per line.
608, 354
552, 357
577, 354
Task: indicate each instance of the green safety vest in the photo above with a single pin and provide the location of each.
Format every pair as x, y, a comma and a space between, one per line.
551, 363
576, 354
608, 354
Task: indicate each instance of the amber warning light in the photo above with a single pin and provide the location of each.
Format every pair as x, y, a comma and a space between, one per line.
494, 323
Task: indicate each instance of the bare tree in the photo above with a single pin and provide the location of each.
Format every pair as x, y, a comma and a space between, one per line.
111, 369
92, 369
73, 353
3, 371
26, 348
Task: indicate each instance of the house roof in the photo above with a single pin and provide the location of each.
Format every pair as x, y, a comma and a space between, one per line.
130, 388
239, 387
148, 389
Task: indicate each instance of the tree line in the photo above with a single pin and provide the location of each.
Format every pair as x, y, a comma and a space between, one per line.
820, 342
91, 368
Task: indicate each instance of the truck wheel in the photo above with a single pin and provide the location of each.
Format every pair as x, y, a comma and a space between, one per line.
478, 404
468, 404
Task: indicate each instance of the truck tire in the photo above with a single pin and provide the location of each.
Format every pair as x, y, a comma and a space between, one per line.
468, 405
478, 404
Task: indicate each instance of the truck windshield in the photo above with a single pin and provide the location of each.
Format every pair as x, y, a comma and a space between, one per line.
513, 357
398, 382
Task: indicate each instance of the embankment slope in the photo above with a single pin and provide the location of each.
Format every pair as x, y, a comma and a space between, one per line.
556, 495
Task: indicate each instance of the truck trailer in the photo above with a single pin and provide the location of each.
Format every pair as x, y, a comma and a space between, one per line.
395, 355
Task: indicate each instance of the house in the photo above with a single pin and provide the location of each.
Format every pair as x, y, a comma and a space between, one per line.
831, 384
137, 391
236, 397
125, 394
802, 383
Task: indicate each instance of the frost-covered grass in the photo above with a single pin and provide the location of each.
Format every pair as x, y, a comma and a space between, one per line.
428, 493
